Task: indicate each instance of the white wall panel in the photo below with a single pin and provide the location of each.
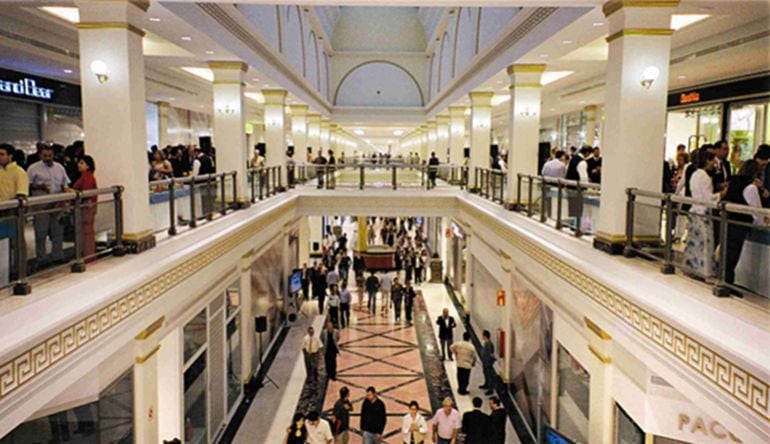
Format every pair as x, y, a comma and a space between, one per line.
445, 67
493, 20
311, 60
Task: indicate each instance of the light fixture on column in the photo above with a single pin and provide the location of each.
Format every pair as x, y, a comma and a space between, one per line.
649, 76
273, 123
527, 112
99, 68
227, 110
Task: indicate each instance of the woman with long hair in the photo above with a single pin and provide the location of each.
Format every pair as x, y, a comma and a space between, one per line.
87, 181
699, 251
296, 433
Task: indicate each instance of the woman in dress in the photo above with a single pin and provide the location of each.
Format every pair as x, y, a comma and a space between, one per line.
699, 251
297, 433
87, 181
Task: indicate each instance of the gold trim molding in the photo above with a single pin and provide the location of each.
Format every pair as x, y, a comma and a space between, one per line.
618, 238
611, 7
531, 67
110, 25
229, 65
662, 32
713, 367
604, 359
152, 328
228, 82
145, 358
597, 330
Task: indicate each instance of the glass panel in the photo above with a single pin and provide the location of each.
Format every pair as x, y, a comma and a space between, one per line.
234, 375
194, 335
233, 297
627, 432
195, 417
574, 393
116, 411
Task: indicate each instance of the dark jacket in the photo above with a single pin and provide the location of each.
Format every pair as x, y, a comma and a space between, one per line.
572, 171
373, 417
498, 419
409, 296
341, 415
488, 353
445, 327
476, 426
372, 284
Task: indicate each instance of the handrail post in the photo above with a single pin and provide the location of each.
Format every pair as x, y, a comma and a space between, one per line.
261, 176
628, 250
223, 206
422, 176
171, 209
79, 265
529, 195
252, 187
207, 195
475, 180
361, 177
579, 209
543, 192
117, 196
278, 169
235, 190
193, 217
518, 190
668, 266
394, 174
559, 198
21, 287
721, 289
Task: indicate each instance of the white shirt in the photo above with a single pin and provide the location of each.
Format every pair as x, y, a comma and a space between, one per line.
321, 433
554, 168
751, 194
385, 282
311, 344
702, 188
406, 426
333, 300
582, 169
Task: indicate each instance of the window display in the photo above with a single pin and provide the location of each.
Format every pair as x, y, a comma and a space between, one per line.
574, 395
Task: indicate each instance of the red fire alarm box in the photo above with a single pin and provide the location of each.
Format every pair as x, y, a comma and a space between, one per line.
501, 298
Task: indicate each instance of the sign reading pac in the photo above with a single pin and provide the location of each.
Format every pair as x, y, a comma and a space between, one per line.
26, 87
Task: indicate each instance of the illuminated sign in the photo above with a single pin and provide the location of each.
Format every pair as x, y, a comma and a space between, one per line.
26, 87
689, 97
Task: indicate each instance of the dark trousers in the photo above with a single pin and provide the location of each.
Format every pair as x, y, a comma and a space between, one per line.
408, 311
311, 365
445, 344
334, 316
489, 376
330, 360
372, 303
321, 299
463, 376
418, 275
397, 310
736, 236
344, 315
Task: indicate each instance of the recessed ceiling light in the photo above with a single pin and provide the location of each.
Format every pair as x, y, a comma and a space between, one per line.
679, 21
681, 77
171, 99
70, 14
582, 102
499, 82
266, 85
598, 23
209, 52
186, 38
543, 56
358, 132
398, 132
567, 42
67, 71
255, 80
154, 19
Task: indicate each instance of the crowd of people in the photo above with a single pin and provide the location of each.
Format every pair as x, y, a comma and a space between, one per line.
580, 165
180, 161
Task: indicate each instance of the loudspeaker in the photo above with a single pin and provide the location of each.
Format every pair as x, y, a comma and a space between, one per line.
467, 152
204, 142
260, 324
316, 246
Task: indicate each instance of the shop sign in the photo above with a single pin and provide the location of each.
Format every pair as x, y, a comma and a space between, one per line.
684, 421
26, 87
692, 97
700, 428
758, 86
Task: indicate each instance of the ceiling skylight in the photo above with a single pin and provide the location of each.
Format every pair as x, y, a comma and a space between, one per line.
679, 21
70, 14
552, 76
203, 73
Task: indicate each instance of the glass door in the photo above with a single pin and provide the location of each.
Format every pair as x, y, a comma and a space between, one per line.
749, 127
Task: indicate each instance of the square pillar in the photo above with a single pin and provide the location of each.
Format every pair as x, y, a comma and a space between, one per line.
481, 127
325, 136
113, 96
275, 137
313, 132
523, 124
432, 138
635, 123
230, 124
590, 113
146, 387
164, 108
299, 129
442, 138
456, 134
248, 337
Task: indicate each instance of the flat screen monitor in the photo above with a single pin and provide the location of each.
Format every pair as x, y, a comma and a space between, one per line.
295, 282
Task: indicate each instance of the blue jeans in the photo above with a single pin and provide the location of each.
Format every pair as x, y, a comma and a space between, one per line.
443, 441
370, 438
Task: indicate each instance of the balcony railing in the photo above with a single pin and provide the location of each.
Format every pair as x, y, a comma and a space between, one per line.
388, 175
490, 183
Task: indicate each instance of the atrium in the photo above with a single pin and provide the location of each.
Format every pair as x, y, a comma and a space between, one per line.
346, 221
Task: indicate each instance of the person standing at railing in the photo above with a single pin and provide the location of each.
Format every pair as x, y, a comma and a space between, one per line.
47, 177
14, 184
87, 181
433, 163
556, 167
594, 164
699, 251
321, 169
203, 165
577, 170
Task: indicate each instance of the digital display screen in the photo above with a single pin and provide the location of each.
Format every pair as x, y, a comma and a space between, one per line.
295, 282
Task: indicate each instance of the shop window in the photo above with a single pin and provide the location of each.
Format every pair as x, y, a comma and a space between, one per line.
749, 127
574, 393
195, 420
233, 337
194, 335
626, 430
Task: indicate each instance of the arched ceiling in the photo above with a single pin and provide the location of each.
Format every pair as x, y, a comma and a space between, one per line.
374, 28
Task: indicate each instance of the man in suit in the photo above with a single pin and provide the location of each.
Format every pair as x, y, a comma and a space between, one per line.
330, 340
476, 424
433, 163
497, 418
319, 286
446, 325
488, 361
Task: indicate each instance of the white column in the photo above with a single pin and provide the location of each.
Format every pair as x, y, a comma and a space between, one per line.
325, 136
304, 240
432, 138
523, 123
334, 139
590, 112
114, 119
248, 338
508, 315
163, 109
456, 134
299, 130
146, 384
639, 47
422, 134
275, 136
442, 138
313, 133
230, 124
481, 123
170, 386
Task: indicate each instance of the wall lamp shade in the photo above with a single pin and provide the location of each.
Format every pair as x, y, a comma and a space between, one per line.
99, 68
649, 76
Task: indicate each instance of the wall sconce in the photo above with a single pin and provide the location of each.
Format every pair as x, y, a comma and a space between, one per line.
273, 123
528, 113
649, 76
227, 110
481, 125
99, 68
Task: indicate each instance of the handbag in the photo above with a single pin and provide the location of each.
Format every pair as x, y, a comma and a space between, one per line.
418, 437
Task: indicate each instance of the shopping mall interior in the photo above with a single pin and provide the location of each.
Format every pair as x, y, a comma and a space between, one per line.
350, 221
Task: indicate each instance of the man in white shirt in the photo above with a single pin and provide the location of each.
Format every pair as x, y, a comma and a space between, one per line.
556, 167
318, 430
578, 167
385, 285
311, 347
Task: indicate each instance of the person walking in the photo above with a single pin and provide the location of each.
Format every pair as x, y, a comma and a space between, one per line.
47, 177
319, 287
476, 424
359, 266
433, 163
332, 277
333, 302
397, 296
446, 325
344, 265
310, 348
372, 286
386, 283
488, 361
297, 432
446, 423
330, 340
466, 359
497, 419
307, 275
345, 301
413, 426
318, 429
373, 417
409, 296
341, 414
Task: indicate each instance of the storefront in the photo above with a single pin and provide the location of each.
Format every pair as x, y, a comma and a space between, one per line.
36, 108
456, 260
735, 110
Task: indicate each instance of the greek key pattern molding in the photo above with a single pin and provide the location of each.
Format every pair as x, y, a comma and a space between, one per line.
33, 362
729, 377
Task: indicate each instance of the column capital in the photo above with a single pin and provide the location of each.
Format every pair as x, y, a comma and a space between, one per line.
274, 96
481, 98
299, 110
163, 104
613, 6
457, 111
442, 120
228, 65
525, 67
431, 125
314, 118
